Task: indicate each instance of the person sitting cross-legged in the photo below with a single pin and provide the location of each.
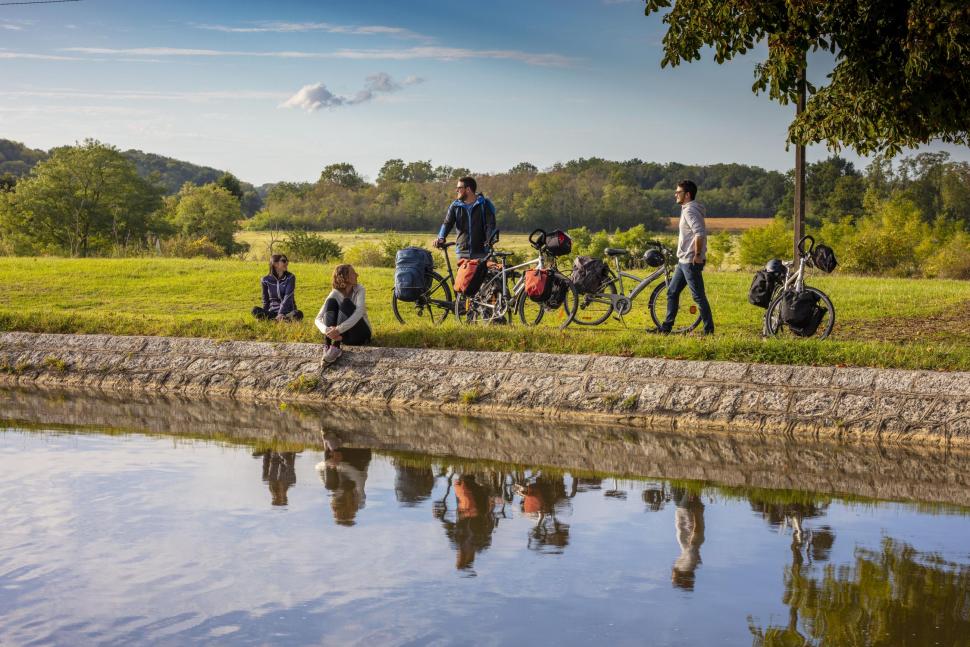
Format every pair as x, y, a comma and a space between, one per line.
279, 292
343, 317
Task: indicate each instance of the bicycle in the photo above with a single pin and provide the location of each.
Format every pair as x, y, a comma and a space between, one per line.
611, 297
434, 305
495, 302
794, 283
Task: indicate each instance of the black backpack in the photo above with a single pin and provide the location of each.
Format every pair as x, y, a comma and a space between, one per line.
588, 274
412, 270
824, 258
762, 288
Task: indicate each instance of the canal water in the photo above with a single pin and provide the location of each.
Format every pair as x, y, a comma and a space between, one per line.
122, 536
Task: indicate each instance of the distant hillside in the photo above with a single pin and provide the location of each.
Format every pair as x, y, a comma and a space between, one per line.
167, 172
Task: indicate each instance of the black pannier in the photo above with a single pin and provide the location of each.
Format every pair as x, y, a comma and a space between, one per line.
824, 258
810, 328
588, 274
762, 288
558, 243
557, 292
801, 313
412, 271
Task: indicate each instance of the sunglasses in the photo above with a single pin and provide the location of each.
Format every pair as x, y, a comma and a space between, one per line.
460, 188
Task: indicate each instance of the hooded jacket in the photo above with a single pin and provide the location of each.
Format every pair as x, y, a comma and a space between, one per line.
279, 294
475, 225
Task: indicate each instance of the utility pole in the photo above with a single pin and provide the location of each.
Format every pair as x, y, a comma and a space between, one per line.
799, 170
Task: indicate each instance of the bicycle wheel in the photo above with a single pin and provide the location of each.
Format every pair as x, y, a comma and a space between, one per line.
430, 309
777, 328
490, 305
688, 314
532, 313
593, 309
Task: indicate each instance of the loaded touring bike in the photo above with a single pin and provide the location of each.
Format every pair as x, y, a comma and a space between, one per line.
432, 304
794, 308
610, 296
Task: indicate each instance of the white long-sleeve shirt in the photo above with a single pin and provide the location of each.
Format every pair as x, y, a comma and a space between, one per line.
360, 310
691, 226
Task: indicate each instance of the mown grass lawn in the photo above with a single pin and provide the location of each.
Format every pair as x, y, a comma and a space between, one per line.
203, 298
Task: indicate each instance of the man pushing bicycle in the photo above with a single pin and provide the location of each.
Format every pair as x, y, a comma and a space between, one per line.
473, 216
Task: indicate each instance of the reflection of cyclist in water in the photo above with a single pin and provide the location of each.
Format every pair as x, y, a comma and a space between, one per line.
412, 484
689, 525
542, 498
279, 472
344, 473
475, 516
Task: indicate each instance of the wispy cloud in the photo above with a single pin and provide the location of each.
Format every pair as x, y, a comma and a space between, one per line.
300, 27
314, 97
410, 53
147, 95
5, 54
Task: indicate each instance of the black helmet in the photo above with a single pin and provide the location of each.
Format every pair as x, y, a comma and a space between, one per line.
654, 258
775, 266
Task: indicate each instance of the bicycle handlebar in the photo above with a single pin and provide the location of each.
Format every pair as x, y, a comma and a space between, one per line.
540, 241
801, 243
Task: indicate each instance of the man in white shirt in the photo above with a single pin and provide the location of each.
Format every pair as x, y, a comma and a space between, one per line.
691, 257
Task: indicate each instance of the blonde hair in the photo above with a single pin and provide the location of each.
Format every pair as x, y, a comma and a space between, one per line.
341, 276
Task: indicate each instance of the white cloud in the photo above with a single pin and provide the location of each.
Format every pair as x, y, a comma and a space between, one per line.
411, 53
301, 27
5, 54
146, 95
316, 96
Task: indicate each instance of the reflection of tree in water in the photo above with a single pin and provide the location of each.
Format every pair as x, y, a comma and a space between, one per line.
543, 497
894, 596
344, 473
279, 472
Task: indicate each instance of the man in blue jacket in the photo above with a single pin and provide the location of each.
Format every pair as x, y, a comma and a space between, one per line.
473, 216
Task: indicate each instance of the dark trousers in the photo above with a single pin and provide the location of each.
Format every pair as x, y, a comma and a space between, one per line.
259, 313
688, 275
335, 314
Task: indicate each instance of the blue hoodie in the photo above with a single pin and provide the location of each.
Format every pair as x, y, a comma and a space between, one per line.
475, 224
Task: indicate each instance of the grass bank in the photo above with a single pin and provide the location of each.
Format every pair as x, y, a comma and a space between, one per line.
881, 322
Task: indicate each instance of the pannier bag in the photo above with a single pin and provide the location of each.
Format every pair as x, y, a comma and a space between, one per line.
810, 328
762, 287
588, 274
558, 243
798, 309
824, 258
538, 285
559, 287
412, 268
470, 276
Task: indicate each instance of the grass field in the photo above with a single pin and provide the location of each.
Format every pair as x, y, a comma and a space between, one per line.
881, 322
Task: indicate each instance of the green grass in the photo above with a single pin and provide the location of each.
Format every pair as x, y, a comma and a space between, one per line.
202, 298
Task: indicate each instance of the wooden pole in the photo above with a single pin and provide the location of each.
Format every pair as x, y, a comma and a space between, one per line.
799, 219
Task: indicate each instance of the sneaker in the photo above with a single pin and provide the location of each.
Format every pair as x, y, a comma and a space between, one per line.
332, 355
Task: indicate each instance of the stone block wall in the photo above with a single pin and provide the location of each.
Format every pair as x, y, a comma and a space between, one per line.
927, 407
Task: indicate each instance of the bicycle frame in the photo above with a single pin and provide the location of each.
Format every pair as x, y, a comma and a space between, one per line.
641, 283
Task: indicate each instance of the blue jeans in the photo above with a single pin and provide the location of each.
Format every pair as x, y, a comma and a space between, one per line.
688, 275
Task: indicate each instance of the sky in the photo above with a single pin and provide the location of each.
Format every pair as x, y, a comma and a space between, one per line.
276, 90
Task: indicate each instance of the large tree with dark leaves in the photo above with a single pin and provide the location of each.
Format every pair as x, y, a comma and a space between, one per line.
901, 73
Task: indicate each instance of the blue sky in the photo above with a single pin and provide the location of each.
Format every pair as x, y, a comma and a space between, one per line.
277, 90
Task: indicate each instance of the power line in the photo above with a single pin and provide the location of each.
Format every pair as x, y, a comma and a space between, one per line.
4, 4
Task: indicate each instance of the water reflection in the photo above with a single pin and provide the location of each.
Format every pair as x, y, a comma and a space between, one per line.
689, 527
344, 473
279, 472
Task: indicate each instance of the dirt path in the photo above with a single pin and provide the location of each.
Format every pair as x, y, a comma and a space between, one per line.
950, 325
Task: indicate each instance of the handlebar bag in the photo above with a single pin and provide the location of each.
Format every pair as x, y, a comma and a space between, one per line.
470, 276
824, 258
558, 243
588, 274
762, 288
537, 285
412, 271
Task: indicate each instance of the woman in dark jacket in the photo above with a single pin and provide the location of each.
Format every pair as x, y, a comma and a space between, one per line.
279, 292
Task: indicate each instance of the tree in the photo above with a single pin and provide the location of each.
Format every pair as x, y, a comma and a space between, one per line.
343, 175
230, 183
394, 170
207, 211
523, 168
901, 72
419, 172
84, 197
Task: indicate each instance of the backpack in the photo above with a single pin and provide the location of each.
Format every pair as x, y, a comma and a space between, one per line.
538, 285
762, 288
558, 243
588, 274
412, 268
798, 309
470, 276
824, 258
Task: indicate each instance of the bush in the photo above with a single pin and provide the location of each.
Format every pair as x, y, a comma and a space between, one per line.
306, 247
952, 261
366, 255
761, 244
186, 247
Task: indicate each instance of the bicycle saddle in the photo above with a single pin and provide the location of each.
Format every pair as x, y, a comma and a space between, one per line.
502, 254
613, 251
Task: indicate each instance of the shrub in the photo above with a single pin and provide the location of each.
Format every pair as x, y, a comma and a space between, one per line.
952, 260
365, 255
307, 247
186, 247
761, 244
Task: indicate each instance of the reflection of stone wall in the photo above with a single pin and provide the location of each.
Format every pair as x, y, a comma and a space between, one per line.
751, 460
924, 406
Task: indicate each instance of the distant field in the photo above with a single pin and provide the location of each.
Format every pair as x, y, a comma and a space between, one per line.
730, 224
881, 322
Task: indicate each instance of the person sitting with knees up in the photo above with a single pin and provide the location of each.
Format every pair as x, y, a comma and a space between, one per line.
343, 317
279, 292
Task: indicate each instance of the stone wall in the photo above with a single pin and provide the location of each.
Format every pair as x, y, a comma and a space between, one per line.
875, 404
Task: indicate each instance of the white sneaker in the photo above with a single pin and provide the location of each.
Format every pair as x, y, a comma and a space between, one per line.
332, 355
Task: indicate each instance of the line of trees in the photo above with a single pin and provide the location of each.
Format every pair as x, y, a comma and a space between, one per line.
595, 193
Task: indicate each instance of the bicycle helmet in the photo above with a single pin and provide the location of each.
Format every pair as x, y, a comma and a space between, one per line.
775, 266
653, 258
